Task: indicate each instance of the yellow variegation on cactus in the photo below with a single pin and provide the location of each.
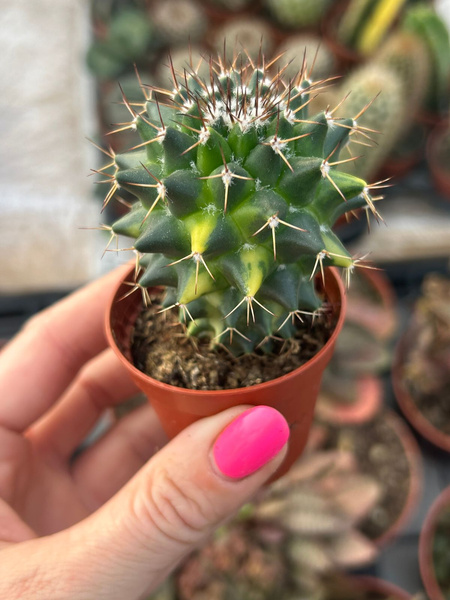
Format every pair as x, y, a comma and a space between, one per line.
237, 189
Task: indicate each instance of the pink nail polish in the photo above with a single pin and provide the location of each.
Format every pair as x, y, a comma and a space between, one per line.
250, 441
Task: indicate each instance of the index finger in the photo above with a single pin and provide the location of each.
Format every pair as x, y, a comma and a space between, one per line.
39, 364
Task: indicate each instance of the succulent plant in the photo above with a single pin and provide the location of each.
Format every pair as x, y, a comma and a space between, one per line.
375, 98
365, 23
283, 545
423, 21
237, 191
178, 21
129, 36
316, 54
252, 33
298, 13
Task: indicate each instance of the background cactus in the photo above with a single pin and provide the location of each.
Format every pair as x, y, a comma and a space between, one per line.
178, 21
237, 192
366, 22
298, 13
423, 21
310, 46
385, 115
252, 33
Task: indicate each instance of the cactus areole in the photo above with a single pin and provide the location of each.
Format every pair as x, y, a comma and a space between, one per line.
236, 192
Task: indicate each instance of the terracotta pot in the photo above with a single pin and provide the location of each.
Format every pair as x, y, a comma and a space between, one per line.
406, 403
368, 403
440, 173
426, 546
293, 394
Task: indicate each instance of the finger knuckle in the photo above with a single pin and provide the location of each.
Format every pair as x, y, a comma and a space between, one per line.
175, 508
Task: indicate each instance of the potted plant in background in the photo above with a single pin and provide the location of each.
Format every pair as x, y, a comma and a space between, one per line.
421, 371
434, 549
237, 190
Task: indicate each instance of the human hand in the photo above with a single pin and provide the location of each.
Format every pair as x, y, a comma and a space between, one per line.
117, 519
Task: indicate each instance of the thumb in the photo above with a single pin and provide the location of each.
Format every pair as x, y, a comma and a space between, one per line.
175, 502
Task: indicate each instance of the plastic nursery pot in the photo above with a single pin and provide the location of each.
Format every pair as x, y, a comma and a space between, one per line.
406, 403
293, 394
426, 546
439, 167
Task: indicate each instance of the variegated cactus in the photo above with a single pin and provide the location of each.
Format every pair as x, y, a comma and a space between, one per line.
237, 189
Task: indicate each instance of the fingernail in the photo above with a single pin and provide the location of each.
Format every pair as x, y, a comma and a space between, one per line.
250, 441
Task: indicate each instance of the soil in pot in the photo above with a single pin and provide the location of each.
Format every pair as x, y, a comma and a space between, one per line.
384, 455
160, 349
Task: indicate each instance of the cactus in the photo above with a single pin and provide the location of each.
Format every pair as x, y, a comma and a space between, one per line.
406, 56
178, 21
375, 98
316, 54
253, 34
237, 192
282, 546
423, 22
365, 23
129, 37
183, 58
298, 13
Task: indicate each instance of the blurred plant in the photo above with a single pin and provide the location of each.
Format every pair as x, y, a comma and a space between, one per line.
427, 367
376, 101
188, 58
441, 552
298, 13
232, 5
365, 23
308, 47
128, 38
178, 21
406, 55
423, 21
282, 546
251, 33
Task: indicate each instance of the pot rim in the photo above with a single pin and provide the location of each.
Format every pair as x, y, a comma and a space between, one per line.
407, 405
331, 271
425, 545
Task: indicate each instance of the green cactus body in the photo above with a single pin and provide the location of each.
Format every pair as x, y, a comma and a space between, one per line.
254, 34
406, 56
237, 192
384, 114
178, 21
423, 21
298, 13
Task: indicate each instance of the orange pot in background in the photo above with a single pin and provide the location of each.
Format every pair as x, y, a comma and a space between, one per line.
293, 394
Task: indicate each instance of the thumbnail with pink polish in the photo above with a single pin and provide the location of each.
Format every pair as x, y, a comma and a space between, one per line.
250, 441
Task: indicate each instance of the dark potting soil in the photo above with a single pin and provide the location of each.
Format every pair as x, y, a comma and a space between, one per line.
162, 350
441, 550
381, 455
434, 407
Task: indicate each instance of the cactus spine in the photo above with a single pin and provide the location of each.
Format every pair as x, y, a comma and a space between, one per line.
237, 190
